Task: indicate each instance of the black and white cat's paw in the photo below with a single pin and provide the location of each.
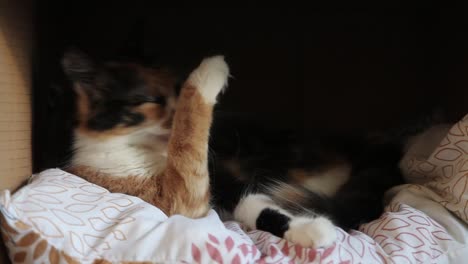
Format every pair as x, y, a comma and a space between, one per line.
210, 77
311, 232
259, 211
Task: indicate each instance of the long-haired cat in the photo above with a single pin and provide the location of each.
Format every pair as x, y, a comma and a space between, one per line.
132, 137
135, 135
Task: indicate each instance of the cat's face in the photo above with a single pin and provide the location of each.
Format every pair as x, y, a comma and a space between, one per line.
115, 99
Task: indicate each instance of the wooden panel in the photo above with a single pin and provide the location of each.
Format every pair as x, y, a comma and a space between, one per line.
15, 110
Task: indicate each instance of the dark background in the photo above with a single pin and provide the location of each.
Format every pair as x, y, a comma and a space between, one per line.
307, 68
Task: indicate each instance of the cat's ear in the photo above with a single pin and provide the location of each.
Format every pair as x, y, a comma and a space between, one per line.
78, 66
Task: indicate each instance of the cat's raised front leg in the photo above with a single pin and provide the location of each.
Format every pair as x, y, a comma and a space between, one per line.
186, 177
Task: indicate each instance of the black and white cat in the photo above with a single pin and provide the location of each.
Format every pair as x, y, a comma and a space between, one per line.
299, 188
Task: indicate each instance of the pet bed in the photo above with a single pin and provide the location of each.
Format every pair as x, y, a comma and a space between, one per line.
61, 218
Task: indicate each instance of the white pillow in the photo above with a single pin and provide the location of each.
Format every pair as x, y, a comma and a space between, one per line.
61, 216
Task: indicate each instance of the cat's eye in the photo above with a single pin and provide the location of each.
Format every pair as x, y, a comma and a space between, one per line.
138, 100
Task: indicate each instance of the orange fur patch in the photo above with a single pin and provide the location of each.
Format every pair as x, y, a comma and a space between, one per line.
152, 112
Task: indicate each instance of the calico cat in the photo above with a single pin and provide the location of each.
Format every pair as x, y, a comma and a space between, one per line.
132, 138
134, 134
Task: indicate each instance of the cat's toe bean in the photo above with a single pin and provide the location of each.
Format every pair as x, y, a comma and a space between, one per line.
311, 232
210, 77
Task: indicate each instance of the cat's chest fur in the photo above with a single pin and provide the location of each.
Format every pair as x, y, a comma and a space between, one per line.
142, 155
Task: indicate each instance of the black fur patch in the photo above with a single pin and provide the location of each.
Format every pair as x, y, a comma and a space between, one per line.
265, 155
114, 89
105, 120
273, 221
114, 116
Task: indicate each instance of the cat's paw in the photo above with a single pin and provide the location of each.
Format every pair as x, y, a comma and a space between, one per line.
311, 232
210, 77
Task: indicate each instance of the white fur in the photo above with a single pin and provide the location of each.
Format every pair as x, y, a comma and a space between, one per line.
311, 232
250, 207
328, 182
136, 154
305, 231
210, 77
